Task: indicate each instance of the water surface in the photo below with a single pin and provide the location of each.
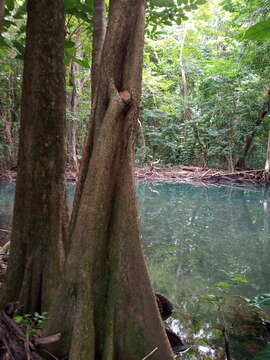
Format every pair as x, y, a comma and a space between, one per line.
196, 240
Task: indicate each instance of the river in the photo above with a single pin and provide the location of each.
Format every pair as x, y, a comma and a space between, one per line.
207, 250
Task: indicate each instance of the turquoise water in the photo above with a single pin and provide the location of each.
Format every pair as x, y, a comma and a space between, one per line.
196, 241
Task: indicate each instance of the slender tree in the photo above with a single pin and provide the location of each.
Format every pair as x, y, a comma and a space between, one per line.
105, 307
40, 213
2, 14
250, 137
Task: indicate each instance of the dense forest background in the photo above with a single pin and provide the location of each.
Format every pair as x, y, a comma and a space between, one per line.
206, 89
206, 99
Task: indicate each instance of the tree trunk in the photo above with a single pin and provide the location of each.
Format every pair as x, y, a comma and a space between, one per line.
40, 212
72, 143
267, 162
110, 312
249, 139
99, 30
2, 14
188, 113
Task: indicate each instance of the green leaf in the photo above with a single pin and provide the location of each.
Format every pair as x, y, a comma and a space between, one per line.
82, 62
240, 278
21, 11
69, 44
260, 31
19, 319
3, 43
10, 4
19, 46
211, 298
223, 284
8, 23
71, 3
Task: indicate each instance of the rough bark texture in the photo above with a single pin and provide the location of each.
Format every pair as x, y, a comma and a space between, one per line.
2, 14
105, 307
99, 30
40, 213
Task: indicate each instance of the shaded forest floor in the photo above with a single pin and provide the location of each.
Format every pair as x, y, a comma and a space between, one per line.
179, 174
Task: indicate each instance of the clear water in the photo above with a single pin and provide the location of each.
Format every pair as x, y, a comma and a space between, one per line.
196, 240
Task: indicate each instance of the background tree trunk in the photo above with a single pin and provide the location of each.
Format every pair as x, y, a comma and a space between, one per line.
110, 311
249, 139
267, 161
2, 14
40, 213
73, 102
188, 114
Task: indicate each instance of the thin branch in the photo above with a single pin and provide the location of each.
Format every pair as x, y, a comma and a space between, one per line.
150, 354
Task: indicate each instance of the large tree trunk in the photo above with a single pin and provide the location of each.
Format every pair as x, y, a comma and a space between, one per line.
40, 213
105, 307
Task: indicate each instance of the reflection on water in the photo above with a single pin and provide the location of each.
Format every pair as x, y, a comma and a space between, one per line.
194, 239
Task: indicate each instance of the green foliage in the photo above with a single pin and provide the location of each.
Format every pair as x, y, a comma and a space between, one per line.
10, 4
82, 10
260, 31
31, 324
259, 300
227, 80
167, 12
264, 354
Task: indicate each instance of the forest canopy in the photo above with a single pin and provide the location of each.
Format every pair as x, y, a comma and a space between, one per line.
205, 89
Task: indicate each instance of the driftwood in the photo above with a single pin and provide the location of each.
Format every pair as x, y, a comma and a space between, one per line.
196, 175
14, 343
5, 248
5, 231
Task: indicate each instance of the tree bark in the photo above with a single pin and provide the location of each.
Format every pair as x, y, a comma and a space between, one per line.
99, 31
40, 213
241, 163
72, 142
188, 113
2, 14
267, 162
110, 312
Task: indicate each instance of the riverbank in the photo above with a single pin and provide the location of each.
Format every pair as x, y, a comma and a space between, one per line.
179, 174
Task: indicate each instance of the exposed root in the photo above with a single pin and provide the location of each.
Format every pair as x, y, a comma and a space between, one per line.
14, 343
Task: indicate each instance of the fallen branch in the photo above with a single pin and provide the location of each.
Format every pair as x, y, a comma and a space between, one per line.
4, 248
150, 354
4, 230
47, 339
